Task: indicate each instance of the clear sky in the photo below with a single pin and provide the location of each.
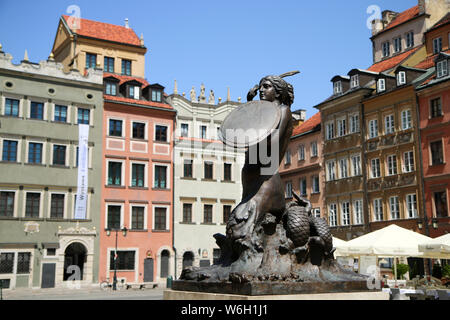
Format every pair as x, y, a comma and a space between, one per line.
222, 44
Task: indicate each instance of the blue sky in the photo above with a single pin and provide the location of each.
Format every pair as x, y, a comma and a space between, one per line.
219, 43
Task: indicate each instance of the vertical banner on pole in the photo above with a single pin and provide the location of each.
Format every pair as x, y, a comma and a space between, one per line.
82, 186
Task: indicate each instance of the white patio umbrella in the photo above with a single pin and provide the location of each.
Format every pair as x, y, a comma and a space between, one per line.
437, 248
391, 241
341, 247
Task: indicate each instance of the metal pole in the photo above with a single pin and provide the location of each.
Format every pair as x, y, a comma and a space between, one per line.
115, 267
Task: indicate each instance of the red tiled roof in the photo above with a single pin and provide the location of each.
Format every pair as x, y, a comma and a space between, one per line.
308, 125
124, 79
392, 62
139, 102
105, 31
403, 17
428, 62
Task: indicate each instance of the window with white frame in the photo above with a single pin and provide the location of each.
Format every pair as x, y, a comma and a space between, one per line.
342, 127
184, 130
375, 168
389, 126
314, 150
378, 209
392, 164
332, 214
398, 44
303, 187
401, 78
437, 45
337, 87
354, 81
288, 189
114, 217
316, 212
373, 128
10, 150
32, 204
357, 212
301, 152
411, 205
115, 174
406, 119
408, 161
410, 39
315, 184
160, 218
343, 169
57, 205
394, 207
442, 68
7, 201
138, 217
356, 165
354, 123
385, 47
381, 85
345, 213
331, 170
329, 130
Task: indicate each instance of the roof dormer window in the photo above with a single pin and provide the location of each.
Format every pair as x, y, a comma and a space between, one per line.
437, 45
110, 88
442, 68
401, 78
337, 87
381, 85
156, 95
354, 82
133, 92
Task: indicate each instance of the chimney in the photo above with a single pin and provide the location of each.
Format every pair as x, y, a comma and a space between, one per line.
126, 23
388, 16
377, 26
298, 117
422, 6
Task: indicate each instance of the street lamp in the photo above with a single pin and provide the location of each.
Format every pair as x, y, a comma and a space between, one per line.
435, 223
108, 233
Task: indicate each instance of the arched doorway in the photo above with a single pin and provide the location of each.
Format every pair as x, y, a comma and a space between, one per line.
188, 259
74, 256
164, 270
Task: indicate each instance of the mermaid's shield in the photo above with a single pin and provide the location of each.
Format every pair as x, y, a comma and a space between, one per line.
250, 124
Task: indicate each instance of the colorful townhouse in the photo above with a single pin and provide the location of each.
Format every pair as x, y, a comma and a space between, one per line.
136, 210
47, 237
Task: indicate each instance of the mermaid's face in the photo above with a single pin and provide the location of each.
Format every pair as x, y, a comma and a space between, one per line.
267, 91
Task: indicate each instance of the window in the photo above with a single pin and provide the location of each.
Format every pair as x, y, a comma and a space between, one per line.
11, 107
130, 91
57, 206
139, 130
9, 150
385, 47
59, 155
227, 171
410, 39
440, 204
332, 215
60, 113
114, 173
392, 164
156, 95
110, 88
357, 212
337, 87
411, 205
303, 187
331, 170
437, 45
343, 168
435, 108
354, 123
6, 262
378, 209
288, 190
381, 85
287, 157
137, 218
356, 165
316, 212
138, 175
91, 60
394, 207
125, 260
301, 152
398, 44
51, 251
184, 130
375, 166
342, 127
160, 177
401, 78
161, 133
314, 150
126, 67
406, 119
373, 128
437, 154
389, 126
32, 204
23, 262
187, 172
329, 131
207, 213
187, 212
6, 204
345, 213
354, 81
203, 132
34, 152
108, 65
114, 217
442, 68
208, 170
83, 116
37, 110
226, 213
115, 128
408, 161
315, 184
